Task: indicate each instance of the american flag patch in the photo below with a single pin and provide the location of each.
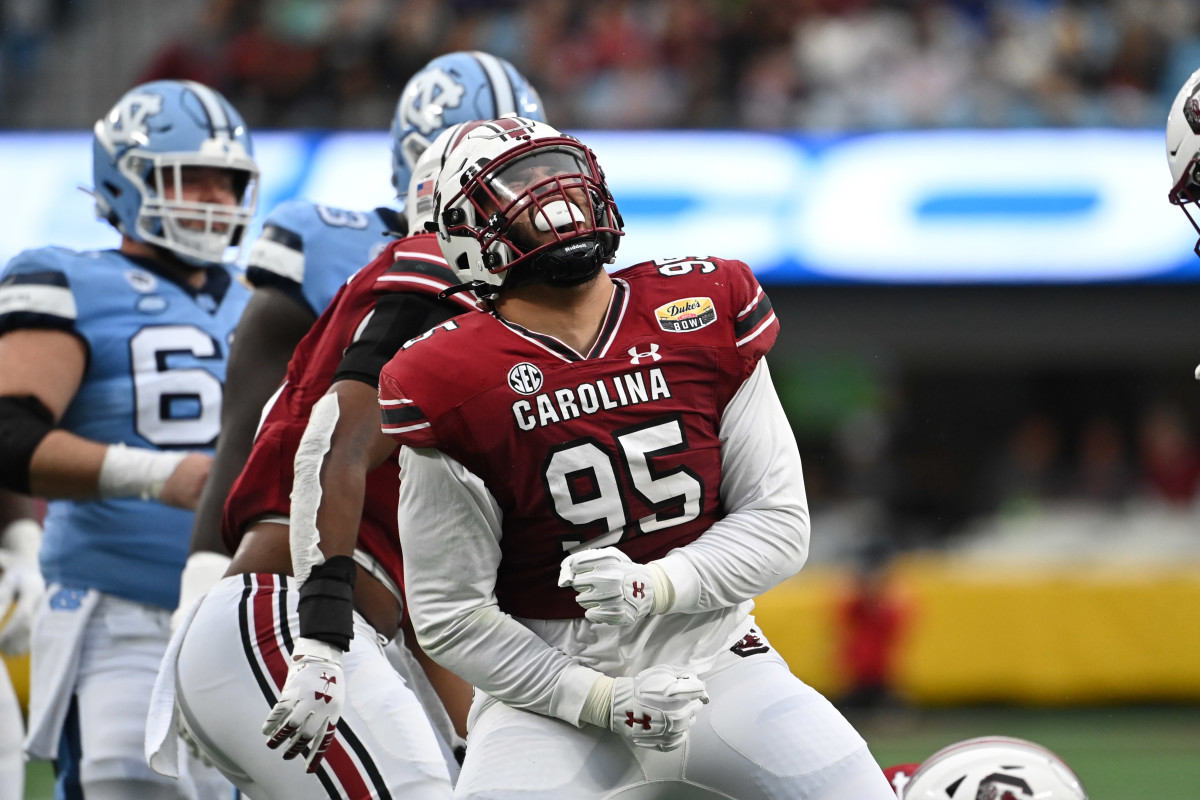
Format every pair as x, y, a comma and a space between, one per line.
425, 188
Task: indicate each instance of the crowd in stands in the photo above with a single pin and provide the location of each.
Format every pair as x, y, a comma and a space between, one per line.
924, 461
765, 64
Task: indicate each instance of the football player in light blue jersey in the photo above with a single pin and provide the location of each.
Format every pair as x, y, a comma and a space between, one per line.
307, 251
111, 371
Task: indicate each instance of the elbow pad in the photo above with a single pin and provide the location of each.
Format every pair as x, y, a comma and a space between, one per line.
24, 422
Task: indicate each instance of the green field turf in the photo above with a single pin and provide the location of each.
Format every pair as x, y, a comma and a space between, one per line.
1119, 753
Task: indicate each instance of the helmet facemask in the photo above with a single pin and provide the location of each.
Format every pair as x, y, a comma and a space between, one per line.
197, 232
541, 213
147, 143
1186, 193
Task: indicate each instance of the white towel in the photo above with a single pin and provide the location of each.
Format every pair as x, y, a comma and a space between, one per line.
57, 644
162, 721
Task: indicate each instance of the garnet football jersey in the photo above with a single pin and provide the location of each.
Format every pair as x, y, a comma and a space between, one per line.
618, 446
413, 265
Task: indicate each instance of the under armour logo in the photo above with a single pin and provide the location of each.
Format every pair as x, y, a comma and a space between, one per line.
651, 354
324, 693
639, 589
631, 720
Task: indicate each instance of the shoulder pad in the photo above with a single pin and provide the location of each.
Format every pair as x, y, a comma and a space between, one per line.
35, 290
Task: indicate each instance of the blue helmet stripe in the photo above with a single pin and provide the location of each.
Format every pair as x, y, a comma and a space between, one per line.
502, 87
217, 118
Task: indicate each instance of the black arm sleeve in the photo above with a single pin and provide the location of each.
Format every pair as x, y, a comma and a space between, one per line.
396, 318
24, 422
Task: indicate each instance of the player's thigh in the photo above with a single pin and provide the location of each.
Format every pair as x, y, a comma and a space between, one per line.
520, 754
387, 713
767, 734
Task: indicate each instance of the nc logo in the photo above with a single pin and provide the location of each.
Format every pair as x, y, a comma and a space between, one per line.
429, 97
525, 378
651, 354
129, 121
66, 599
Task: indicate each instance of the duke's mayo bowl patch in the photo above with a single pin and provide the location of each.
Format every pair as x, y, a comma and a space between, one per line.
686, 314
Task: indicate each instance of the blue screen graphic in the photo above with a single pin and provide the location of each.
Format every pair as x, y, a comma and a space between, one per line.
938, 207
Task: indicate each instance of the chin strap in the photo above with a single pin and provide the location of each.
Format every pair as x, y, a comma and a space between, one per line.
481, 289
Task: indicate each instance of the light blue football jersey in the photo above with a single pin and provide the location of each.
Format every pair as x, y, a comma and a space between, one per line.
310, 250
156, 366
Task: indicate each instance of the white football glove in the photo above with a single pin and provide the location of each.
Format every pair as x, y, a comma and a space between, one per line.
614, 589
308, 709
21, 585
657, 707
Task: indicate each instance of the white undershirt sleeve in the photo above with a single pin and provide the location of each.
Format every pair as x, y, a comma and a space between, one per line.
763, 539
450, 533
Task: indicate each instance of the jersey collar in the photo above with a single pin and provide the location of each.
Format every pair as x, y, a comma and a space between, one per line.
608, 329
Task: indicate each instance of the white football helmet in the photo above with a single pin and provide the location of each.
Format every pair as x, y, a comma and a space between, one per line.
418, 206
518, 202
1183, 147
994, 768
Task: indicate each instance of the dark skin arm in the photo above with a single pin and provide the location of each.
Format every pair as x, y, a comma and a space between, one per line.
359, 445
270, 327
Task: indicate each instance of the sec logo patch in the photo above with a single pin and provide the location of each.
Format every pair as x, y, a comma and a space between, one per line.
525, 378
686, 315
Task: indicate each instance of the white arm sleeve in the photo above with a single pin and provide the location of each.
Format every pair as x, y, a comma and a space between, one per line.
450, 534
763, 539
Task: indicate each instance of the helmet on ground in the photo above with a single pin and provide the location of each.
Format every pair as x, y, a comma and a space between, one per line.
140, 149
453, 88
1183, 148
994, 768
518, 202
898, 776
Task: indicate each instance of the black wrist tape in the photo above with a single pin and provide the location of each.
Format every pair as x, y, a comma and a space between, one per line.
326, 607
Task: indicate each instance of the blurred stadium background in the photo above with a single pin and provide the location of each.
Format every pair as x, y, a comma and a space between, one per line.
989, 309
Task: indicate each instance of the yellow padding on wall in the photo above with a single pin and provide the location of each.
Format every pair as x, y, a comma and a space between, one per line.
18, 673
798, 617
1050, 635
1031, 635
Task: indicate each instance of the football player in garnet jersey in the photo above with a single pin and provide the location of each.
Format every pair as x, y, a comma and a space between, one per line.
1183, 149
307, 251
1183, 153
597, 480
383, 744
